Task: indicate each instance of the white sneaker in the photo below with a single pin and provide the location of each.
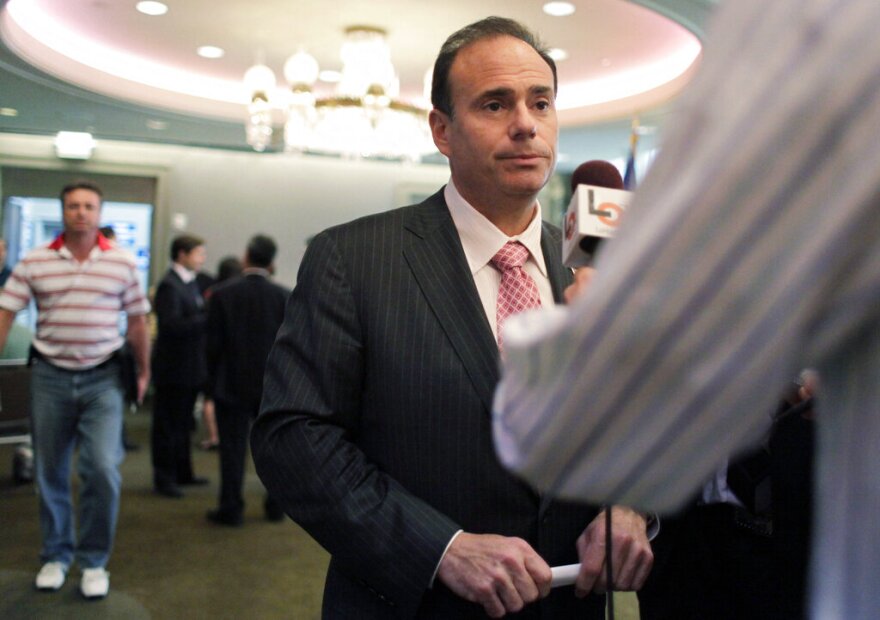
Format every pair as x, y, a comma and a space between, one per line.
51, 576
95, 583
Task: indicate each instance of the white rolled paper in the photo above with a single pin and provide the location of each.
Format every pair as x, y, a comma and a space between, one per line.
564, 575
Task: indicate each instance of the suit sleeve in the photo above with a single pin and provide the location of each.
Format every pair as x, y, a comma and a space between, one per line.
170, 314
213, 344
305, 450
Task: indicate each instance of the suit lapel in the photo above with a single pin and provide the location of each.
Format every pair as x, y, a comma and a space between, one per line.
438, 264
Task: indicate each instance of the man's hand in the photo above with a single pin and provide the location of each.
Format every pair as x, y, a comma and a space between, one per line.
500, 573
140, 345
631, 555
6, 319
581, 282
143, 382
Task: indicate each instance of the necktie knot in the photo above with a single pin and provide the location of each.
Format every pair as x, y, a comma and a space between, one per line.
512, 256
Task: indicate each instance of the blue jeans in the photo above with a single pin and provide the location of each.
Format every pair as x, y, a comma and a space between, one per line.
84, 409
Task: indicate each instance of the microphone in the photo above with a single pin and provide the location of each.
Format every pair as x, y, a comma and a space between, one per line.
597, 202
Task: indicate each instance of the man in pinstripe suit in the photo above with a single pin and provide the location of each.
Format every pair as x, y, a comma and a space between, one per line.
375, 432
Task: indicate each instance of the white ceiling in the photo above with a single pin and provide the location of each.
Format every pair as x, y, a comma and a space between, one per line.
608, 42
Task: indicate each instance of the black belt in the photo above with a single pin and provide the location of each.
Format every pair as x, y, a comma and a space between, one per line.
34, 354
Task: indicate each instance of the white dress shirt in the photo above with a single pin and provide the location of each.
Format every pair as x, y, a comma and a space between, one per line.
187, 275
481, 240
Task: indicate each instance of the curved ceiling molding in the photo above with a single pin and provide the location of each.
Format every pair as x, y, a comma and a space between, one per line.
692, 14
52, 38
48, 44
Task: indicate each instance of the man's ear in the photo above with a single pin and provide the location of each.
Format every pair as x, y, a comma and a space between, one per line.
440, 127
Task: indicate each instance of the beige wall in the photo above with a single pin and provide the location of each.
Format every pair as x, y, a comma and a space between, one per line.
227, 196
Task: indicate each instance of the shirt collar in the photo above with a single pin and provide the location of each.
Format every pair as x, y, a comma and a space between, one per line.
103, 243
255, 271
481, 239
185, 274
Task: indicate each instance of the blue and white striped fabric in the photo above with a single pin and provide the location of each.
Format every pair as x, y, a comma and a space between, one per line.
751, 250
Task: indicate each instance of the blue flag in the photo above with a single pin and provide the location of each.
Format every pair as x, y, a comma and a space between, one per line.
629, 177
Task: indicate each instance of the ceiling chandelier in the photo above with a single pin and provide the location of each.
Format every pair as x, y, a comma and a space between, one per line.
364, 118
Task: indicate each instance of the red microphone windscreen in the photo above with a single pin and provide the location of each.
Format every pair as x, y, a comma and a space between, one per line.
597, 172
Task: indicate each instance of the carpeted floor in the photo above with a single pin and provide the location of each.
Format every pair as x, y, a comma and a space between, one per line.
169, 562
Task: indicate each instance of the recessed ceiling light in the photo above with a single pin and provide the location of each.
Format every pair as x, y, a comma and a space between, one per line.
156, 124
330, 76
149, 7
559, 9
8, 112
210, 51
557, 54
74, 144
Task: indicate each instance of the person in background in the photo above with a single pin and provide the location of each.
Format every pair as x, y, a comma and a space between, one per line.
244, 314
178, 367
374, 432
228, 267
109, 234
83, 283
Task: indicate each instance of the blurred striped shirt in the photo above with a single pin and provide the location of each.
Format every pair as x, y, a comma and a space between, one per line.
751, 250
78, 304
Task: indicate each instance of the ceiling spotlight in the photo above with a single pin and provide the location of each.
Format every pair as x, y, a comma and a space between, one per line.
557, 54
149, 7
8, 112
156, 124
559, 9
210, 51
74, 144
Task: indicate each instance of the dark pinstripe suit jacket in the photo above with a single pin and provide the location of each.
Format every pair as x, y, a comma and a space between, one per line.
375, 430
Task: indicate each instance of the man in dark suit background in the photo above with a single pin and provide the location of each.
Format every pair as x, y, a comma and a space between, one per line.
244, 314
178, 367
375, 430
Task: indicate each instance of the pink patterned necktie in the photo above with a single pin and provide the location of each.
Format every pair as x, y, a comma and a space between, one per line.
518, 290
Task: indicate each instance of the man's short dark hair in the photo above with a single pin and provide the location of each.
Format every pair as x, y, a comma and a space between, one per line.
185, 244
488, 28
261, 251
228, 268
92, 187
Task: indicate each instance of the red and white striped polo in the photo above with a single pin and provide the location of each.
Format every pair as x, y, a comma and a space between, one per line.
78, 303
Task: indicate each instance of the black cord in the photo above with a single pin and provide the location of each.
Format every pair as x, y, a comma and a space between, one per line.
609, 573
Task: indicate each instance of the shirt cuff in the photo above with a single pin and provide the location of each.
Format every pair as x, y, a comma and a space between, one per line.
652, 525
437, 569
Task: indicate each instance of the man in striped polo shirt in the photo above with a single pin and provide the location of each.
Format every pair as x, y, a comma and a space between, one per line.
80, 284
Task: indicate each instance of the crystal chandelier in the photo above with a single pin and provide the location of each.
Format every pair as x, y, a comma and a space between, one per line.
364, 118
